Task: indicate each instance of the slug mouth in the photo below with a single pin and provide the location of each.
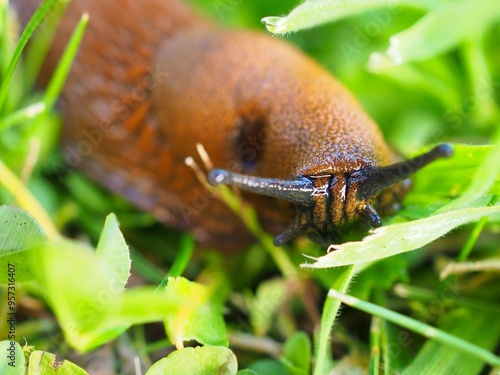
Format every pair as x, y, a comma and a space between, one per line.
313, 203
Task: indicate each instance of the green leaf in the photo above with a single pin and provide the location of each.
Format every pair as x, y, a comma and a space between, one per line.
90, 305
113, 251
80, 291
12, 362
297, 354
47, 364
399, 238
198, 319
204, 360
18, 231
268, 367
247, 372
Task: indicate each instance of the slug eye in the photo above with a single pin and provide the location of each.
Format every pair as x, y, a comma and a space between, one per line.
251, 141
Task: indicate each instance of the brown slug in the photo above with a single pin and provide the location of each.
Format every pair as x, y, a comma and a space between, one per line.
153, 79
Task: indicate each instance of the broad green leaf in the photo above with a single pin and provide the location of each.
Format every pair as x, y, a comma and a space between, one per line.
114, 251
202, 360
297, 354
247, 372
399, 238
89, 303
18, 231
198, 319
47, 364
12, 362
80, 290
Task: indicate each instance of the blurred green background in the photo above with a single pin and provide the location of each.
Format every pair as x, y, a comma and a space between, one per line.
452, 96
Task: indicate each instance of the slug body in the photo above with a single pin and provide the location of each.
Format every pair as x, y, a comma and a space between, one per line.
153, 79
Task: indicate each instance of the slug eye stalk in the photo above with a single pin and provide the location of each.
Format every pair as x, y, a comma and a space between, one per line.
328, 202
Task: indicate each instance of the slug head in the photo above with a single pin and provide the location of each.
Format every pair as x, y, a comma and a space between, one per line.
329, 202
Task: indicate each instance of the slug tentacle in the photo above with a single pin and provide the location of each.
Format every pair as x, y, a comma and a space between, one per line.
367, 211
298, 226
372, 180
298, 191
327, 203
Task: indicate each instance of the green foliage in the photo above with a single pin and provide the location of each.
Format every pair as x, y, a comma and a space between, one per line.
205, 360
13, 358
436, 79
197, 319
47, 364
93, 307
297, 354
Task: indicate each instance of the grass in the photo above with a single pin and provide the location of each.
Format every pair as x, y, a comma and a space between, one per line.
410, 305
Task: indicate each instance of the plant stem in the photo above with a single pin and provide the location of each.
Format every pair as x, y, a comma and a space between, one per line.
330, 311
421, 328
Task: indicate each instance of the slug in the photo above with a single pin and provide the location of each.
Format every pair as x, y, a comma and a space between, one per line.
154, 79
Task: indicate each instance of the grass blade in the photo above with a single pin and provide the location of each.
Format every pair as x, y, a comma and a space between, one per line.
22, 115
64, 65
316, 12
330, 311
181, 261
33, 23
431, 35
375, 340
434, 358
418, 327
